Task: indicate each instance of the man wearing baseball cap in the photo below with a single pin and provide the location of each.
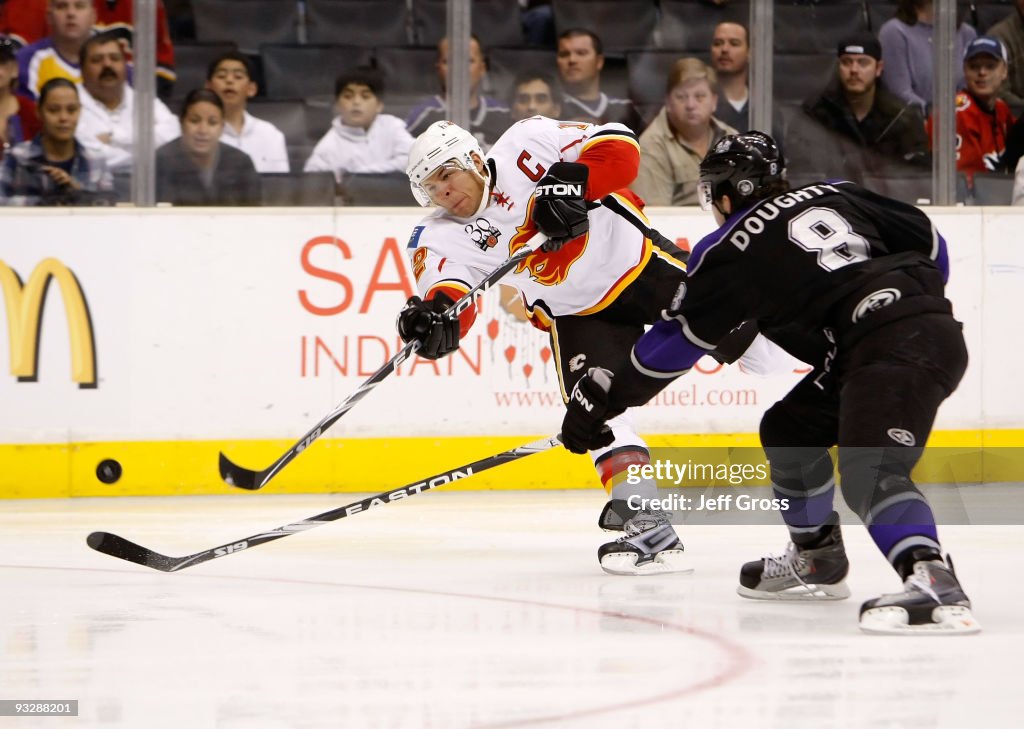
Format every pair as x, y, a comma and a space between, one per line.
869, 128
982, 118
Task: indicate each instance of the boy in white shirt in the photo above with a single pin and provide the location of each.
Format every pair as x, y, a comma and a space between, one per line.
230, 77
361, 138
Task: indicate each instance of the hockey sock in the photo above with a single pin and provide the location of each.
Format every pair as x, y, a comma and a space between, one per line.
902, 529
807, 481
620, 480
811, 537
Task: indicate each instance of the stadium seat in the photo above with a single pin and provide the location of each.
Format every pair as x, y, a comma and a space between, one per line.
294, 71
287, 189
879, 11
190, 64
620, 24
297, 156
364, 23
990, 13
288, 115
320, 112
797, 76
689, 24
993, 188
914, 189
816, 28
377, 189
408, 72
648, 73
505, 63
494, 22
122, 180
247, 23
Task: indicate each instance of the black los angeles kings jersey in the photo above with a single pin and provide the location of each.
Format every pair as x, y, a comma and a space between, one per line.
795, 262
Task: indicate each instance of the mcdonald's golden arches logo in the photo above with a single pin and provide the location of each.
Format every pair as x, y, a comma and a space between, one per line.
25, 303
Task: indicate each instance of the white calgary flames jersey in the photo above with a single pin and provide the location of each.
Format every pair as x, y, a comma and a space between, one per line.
583, 277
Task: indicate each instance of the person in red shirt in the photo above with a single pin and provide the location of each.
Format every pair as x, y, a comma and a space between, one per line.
982, 118
23, 21
116, 15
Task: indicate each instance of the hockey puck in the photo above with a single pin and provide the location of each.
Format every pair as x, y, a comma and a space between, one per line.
108, 471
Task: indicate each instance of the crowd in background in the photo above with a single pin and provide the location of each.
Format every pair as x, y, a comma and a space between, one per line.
226, 138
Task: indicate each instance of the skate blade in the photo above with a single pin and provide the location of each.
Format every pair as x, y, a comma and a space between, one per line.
808, 593
625, 563
893, 620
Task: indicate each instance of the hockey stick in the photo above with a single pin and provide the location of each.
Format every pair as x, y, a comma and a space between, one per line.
245, 478
121, 548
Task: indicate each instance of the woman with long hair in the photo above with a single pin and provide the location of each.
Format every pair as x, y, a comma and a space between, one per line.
52, 168
199, 169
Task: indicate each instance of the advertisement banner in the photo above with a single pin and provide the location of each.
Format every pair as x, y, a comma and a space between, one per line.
172, 326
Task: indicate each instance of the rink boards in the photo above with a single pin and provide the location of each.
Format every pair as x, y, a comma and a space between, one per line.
159, 338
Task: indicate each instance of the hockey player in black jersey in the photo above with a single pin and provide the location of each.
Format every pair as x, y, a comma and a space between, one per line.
852, 283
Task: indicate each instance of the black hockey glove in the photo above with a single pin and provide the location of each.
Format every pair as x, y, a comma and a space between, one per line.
425, 322
559, 208
583, 428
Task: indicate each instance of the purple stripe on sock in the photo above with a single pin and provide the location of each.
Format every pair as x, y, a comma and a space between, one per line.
807, 512
902, 520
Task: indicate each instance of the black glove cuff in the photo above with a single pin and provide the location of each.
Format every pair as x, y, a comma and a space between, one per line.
570, 172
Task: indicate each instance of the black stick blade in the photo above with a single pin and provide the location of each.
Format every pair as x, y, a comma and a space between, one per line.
121, 548
235, 475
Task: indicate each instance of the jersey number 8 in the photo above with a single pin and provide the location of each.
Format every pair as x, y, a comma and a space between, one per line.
830, 235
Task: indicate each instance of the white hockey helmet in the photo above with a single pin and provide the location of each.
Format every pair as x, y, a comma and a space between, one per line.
442, 142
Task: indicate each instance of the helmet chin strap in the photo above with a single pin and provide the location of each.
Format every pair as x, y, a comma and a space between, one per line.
488, 178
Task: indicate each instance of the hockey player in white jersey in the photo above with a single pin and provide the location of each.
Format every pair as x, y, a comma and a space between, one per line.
591, 286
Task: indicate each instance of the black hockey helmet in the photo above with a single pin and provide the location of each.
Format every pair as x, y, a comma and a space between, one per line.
746, 167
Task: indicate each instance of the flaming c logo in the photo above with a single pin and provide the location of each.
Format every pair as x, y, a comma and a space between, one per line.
547, 269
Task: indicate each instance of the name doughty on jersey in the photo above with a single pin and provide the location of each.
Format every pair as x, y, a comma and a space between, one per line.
770, 210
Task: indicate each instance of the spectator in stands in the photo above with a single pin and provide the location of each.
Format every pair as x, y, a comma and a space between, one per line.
230, 76
538, 21
56, 56
23, 21
680, 136
18, 119
117, 17
361, 139
857, 126
1010, 31
53, 168
488, 117
982, 118
535, 93
107, 125
197, 168
907, 51
730, 54
580, 60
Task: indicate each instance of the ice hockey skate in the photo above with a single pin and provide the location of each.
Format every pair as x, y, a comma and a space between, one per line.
614, 515
932, 602
650, 546
799, 574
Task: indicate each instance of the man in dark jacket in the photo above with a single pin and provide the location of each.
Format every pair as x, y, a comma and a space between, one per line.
858, 122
